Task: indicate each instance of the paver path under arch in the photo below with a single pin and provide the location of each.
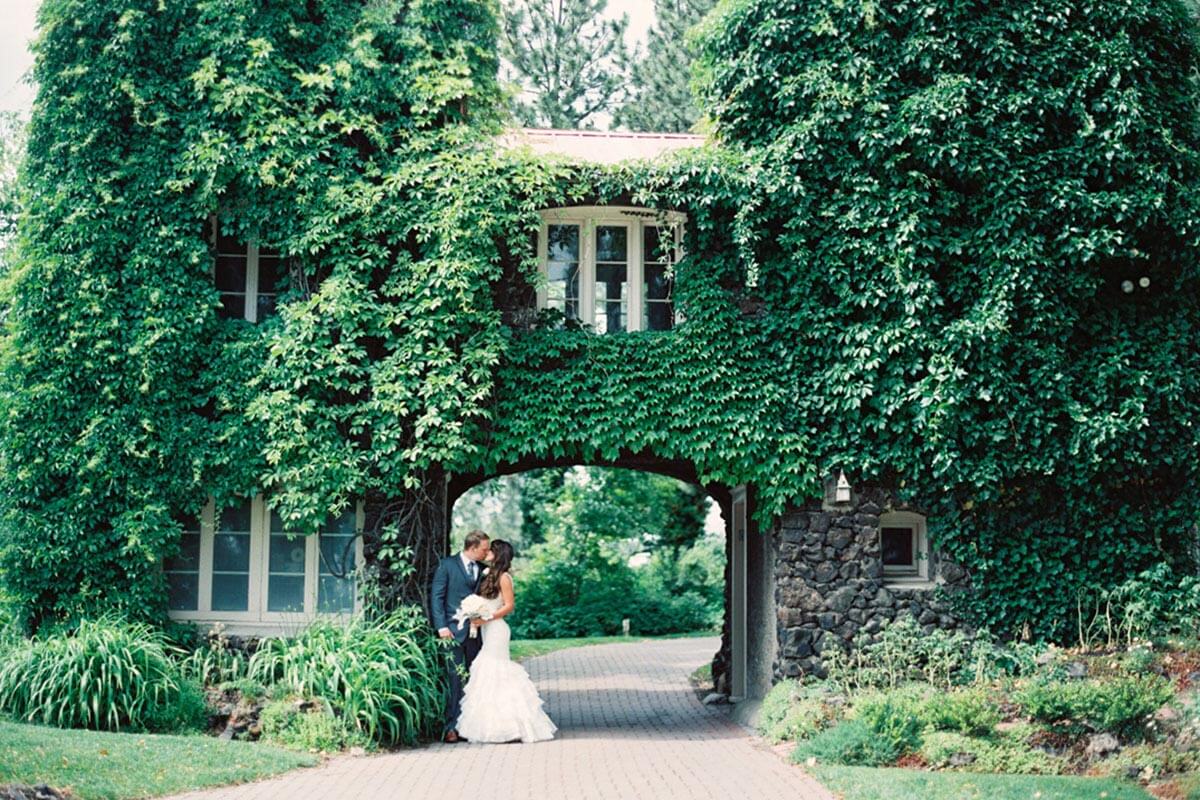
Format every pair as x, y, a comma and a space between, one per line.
630, 726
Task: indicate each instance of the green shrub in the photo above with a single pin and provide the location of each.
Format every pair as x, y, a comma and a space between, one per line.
1000, 755
249, 689
1149, 761
317, 728
776, 704
792, 711
970, 711
215, 663
1154, 604
851, 742
807, 717
1119, 705
107, 675
895, 717
903, 653
384, 676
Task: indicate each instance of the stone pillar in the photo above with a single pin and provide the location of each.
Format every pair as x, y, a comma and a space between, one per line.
830, 585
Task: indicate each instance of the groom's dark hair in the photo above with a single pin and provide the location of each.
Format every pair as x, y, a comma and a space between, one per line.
474, 539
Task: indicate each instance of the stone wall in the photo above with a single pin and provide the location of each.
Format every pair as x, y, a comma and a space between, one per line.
829, 581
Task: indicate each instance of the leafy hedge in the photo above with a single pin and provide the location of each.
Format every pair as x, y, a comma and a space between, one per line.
906, 250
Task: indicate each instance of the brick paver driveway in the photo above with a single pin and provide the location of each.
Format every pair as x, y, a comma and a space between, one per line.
630, 726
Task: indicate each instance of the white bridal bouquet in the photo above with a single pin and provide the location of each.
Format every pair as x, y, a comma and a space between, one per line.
472, 607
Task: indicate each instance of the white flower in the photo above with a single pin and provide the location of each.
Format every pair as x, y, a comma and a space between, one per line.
472, 607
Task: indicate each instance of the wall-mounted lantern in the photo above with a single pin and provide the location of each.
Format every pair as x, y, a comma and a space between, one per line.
842, 493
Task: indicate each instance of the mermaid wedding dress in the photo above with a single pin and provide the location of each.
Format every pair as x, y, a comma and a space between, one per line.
500, 703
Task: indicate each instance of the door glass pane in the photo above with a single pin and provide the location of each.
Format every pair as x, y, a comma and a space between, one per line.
612, 286
230, 592
338, 561
188, 558
229, 276
612, 297
231, 559
612, 243
285, 568
272, 279
658, 312
183, 569
183, 591
562, 268
897, 548
231, 552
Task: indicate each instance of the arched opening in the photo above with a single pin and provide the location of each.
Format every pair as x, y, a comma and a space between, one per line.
743, 663
604, 551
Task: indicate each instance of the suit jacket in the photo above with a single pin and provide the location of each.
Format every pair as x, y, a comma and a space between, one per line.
451, 584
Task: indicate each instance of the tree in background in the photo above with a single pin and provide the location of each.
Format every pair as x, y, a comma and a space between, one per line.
12, 150
568, 64
583, 526
661, 98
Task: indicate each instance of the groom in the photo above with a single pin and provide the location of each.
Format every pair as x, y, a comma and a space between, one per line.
457, 576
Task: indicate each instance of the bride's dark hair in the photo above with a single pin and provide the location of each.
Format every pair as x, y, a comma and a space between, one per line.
502, 556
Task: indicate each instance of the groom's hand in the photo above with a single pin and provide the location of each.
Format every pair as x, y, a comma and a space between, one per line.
445, 633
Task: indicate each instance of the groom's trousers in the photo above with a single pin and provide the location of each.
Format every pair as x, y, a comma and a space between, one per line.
461, 655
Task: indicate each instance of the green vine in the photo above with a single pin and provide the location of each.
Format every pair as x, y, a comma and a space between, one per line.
905, 250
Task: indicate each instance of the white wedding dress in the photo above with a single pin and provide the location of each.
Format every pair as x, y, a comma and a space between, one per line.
500, 703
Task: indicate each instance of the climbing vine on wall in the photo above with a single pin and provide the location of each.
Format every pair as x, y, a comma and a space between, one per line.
905, 254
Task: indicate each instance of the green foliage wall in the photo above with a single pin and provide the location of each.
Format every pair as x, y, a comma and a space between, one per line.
905, 252
950, 197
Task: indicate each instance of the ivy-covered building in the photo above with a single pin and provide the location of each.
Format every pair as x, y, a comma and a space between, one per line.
920, 312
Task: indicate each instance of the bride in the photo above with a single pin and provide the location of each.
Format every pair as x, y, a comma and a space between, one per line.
500, 703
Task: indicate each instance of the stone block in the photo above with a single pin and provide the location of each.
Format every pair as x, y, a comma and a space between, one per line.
841, 599
825, 572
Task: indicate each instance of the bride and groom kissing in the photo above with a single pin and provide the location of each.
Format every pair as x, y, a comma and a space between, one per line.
468, 604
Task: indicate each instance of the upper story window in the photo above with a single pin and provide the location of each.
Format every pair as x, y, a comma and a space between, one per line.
249, 278
611, 268
904, 547
241, 566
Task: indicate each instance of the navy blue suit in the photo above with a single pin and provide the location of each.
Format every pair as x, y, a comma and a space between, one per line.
452, 583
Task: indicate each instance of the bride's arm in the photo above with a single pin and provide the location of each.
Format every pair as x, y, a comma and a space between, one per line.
506, 594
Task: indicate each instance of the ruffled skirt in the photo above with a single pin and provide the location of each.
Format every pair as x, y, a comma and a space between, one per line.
500, 702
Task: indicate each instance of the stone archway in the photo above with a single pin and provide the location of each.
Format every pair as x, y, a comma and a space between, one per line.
683, 471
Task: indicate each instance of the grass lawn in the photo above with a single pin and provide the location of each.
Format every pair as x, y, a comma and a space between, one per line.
864, 783
523, 649
528, 648
128, 765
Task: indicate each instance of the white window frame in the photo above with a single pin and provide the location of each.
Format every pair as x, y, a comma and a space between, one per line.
256, 620
919, 572
588, 218
250, 311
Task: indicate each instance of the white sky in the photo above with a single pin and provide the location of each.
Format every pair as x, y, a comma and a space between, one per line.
17, 22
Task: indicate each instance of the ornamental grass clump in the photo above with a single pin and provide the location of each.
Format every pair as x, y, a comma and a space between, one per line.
382, 676
109, 674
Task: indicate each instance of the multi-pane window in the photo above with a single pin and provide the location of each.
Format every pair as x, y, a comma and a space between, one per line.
249, 278
611, 268
242, 565
903, 546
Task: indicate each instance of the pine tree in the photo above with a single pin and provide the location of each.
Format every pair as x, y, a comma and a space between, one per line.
661, 99
568, 63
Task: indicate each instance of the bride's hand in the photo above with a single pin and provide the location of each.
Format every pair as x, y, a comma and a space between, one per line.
477, 623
